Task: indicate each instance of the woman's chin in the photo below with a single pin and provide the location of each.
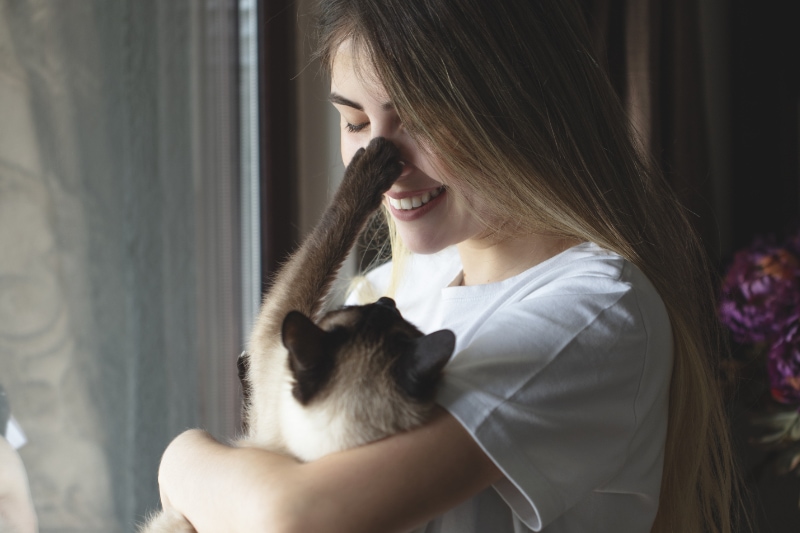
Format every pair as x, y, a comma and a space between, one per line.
418, 240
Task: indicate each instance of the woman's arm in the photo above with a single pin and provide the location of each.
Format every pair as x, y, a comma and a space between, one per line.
390, 485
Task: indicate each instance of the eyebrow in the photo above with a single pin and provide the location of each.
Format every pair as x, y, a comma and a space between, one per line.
335, 98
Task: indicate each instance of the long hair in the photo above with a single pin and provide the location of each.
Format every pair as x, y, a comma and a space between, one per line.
509, 97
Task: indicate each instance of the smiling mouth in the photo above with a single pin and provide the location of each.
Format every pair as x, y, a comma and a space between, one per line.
414, 202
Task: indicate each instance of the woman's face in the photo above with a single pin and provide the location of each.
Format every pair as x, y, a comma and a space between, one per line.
429, 217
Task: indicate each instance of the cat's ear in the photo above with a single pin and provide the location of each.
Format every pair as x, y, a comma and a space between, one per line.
420, 368
309, 360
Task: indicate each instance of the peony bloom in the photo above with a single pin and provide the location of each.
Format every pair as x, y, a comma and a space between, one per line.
760, 293
783, 364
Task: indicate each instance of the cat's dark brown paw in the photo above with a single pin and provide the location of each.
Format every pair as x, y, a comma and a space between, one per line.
373, 170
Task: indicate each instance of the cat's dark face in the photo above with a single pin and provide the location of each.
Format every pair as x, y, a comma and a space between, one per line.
363, 355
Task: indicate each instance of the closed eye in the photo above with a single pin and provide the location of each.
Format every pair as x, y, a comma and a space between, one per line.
355, 128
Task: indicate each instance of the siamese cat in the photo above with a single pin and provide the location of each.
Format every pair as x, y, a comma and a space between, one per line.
320, 384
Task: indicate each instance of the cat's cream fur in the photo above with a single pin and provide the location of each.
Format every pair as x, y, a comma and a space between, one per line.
354, 375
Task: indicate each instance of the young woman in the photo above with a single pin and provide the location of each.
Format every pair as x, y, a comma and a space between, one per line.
582, 393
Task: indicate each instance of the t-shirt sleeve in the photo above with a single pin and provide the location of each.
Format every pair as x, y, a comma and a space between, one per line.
549, 387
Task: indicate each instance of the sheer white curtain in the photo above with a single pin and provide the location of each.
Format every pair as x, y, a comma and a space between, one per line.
120, 300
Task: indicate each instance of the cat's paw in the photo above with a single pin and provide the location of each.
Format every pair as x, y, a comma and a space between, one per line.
373, 170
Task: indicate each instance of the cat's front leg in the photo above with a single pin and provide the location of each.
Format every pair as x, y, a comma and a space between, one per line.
167, 522
371, 172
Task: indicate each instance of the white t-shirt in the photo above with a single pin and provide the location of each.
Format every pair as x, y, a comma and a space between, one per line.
561, 375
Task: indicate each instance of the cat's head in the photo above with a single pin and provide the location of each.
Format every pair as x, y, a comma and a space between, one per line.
366, 367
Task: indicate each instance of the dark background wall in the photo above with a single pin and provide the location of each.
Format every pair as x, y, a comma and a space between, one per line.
765, 90
764, 193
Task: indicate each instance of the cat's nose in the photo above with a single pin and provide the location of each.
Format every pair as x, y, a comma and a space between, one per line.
387, 302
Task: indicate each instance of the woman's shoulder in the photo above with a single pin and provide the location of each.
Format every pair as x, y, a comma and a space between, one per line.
587, 269
585, 259
585, 286
591, 270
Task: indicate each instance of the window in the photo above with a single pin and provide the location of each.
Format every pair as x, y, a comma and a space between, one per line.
122, 265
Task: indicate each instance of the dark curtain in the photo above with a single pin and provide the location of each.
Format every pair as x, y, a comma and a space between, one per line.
765, 106
713, 89
652, 51
277, 24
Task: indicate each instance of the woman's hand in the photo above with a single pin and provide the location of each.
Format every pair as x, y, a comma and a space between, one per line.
16, 506
219, 488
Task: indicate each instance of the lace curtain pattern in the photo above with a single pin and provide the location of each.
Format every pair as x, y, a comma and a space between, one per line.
119, 321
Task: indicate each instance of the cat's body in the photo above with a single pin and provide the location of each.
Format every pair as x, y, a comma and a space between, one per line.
356, 375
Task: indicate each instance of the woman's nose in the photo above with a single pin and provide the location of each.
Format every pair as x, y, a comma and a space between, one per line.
387, 125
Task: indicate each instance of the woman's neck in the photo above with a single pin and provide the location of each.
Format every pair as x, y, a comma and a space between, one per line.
493, 259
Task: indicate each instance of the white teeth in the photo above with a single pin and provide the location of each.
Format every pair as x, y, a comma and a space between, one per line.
414, 202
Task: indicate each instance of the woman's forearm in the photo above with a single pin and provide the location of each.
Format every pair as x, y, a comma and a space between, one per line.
223, 489
390, 485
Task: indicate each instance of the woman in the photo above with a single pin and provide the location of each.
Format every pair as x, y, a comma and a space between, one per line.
582, 395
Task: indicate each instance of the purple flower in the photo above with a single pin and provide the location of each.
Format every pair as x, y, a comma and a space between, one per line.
760, 293
783, 364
